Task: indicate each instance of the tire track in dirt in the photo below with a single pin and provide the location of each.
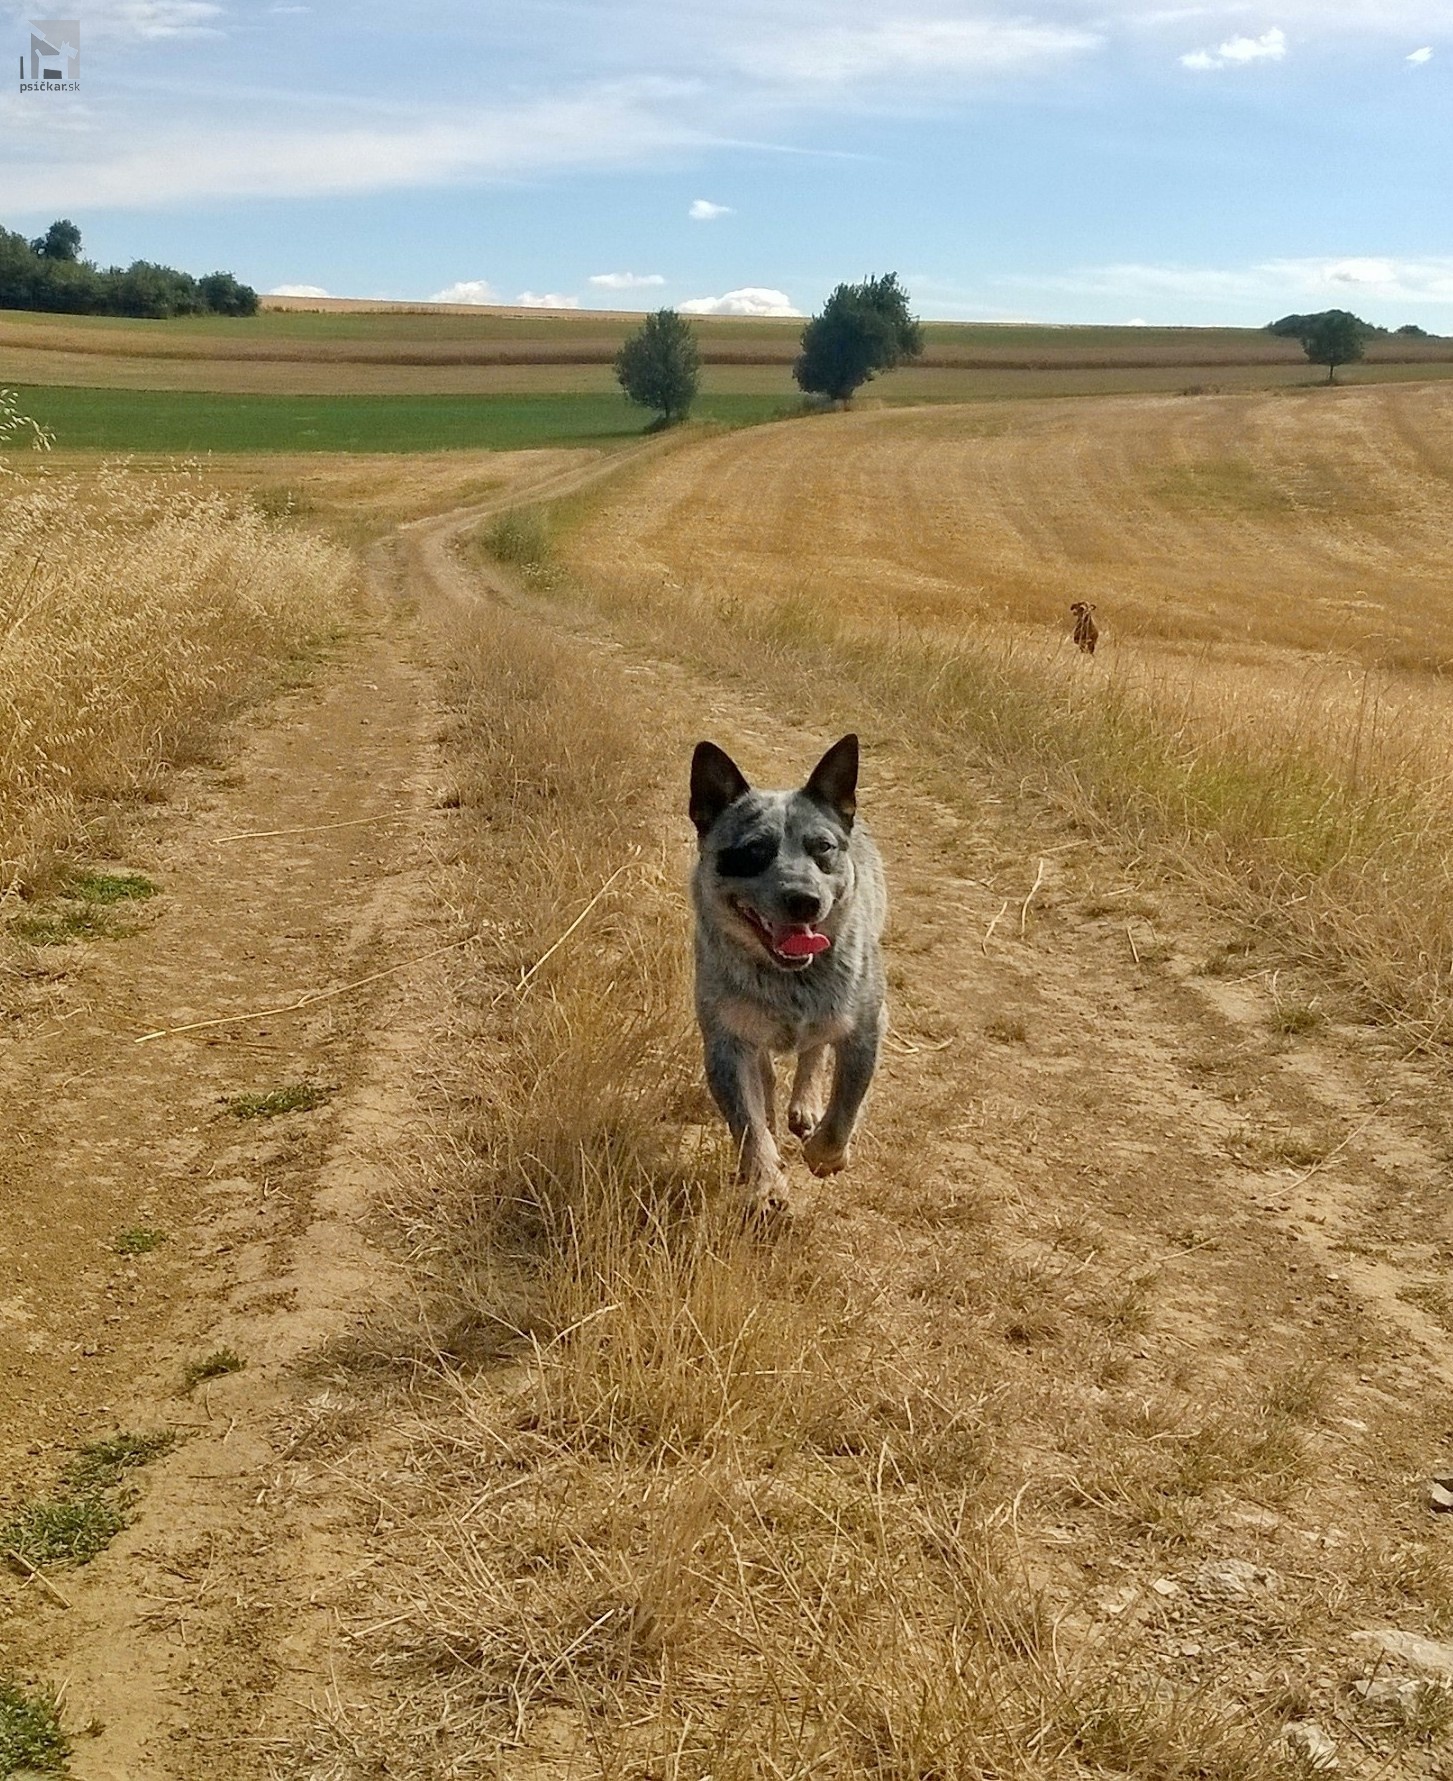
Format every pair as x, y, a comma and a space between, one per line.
267, 1252
187, 1644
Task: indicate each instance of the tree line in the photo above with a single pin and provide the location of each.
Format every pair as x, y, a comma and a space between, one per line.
867, 328
49, 274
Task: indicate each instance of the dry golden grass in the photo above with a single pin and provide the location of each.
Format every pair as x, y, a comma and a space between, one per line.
357, 496
132, 619
1268, 701
1314, 520
678, 1503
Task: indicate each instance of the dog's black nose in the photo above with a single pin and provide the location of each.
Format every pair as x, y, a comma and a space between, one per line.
802, 906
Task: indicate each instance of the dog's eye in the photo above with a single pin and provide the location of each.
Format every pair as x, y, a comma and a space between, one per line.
746, 860
823, 849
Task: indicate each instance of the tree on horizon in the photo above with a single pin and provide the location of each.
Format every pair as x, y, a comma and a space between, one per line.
863, 329
658, 367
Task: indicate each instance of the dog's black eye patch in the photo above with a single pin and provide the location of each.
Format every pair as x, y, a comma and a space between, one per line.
747, 858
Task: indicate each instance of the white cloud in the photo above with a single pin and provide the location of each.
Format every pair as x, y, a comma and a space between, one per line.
297, 290
881, 51
748, 300
1236, 52
1401, 281
1271, 46
549, 300
625, 281
1419, 56
704, 211
468, 290
1368, 272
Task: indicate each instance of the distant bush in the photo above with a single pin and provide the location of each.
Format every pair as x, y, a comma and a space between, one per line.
520, 538
1297, 327
48, 274
1413, 329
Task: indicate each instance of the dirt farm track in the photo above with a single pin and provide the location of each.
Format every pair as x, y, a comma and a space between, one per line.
1083, 1427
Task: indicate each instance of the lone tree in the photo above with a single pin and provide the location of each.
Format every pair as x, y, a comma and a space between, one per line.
1334, 339
658, 367
863, 329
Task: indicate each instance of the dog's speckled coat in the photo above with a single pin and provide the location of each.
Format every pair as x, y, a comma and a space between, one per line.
787, 867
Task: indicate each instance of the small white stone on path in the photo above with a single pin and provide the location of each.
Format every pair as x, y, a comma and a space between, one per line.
1235, 1576
1309, 1739
1432, 1656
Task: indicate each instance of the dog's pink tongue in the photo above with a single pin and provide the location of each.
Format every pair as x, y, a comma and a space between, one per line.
801, 943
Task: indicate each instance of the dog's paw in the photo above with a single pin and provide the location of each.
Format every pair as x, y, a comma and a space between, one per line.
771, 1201
803, 1119
824, 1157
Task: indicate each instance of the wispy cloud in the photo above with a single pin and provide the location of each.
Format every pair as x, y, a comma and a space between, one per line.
625, 281
547, 300
1280, 283
1238, 52
748, 300
468, 290
881, 52
152, 19
729, 72
298, 290
134, 162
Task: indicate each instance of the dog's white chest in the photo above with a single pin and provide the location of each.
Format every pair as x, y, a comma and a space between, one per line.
774, 1030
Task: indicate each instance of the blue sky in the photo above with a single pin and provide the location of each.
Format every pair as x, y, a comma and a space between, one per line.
1059, 160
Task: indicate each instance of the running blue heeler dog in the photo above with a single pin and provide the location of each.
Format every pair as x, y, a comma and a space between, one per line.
790, 904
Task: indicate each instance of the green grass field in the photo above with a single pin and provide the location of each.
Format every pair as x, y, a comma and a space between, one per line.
188, 421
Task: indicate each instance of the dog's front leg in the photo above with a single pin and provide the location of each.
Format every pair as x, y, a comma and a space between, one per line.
738, 1075
809, 1091
828, 1149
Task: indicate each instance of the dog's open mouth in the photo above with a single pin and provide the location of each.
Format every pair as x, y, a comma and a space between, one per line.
790, 943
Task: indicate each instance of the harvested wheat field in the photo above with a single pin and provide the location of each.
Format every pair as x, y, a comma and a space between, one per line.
320, 347
1085, 1427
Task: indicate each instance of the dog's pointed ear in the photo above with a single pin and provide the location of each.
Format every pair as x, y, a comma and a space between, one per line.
833, 782
716, 781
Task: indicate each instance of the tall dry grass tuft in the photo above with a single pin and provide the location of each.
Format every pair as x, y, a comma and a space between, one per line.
132, 619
